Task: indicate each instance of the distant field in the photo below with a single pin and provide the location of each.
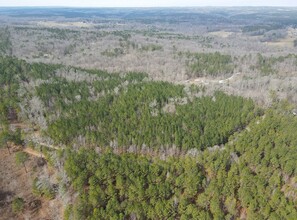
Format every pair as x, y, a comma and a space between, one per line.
223, 34
289, 42
63, 24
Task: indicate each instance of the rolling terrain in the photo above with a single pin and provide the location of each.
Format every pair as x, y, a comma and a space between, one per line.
181, 113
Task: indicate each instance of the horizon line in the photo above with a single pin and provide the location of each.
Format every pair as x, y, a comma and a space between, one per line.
197, 6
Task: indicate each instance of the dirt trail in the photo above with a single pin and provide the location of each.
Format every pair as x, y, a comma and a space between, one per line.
48, 145
206, 81
34, 153
19, 125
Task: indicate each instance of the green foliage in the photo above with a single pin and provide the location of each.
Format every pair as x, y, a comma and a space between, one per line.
267, 164
140, 116
5, 43
254, 174
126, 34
127, 185
43, 188
13, 136
7, 135
12, 72
55, 33
266, 65
18, 205
4, 138
9, 72
204, 40
16, 137
251, 172
213, 64
115, 52
68, 212
151, 47
21, 157
260, 29
133, 112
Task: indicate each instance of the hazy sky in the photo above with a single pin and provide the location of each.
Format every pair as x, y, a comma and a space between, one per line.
147, 3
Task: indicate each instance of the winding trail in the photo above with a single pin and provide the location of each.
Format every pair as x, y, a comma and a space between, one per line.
206, 81
33, 152
35, 140
48, 146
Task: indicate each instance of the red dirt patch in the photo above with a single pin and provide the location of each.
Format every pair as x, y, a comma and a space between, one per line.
15, 182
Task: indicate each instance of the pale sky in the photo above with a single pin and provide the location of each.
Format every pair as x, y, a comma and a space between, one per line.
146, 3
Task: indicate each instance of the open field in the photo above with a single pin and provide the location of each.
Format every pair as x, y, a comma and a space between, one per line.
53, 24
223, 34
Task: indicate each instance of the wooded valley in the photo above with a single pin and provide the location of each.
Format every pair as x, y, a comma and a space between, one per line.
146, 118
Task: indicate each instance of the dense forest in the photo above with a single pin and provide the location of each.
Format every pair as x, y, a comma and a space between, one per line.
133, 148
151, 114
209, 64
252, 177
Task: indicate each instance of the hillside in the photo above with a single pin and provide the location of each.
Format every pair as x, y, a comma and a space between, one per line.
148, 113
121, 146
